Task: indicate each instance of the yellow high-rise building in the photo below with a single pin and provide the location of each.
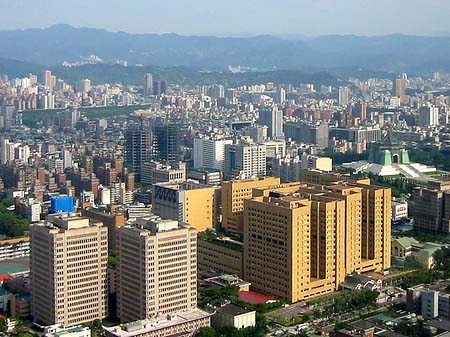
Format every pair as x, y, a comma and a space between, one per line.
301, 240
233, 195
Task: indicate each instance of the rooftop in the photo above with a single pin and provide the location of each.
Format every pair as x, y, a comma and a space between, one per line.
232, 309
149, 325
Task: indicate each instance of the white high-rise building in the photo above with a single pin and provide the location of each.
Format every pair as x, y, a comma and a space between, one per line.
6, 151
245, 161
210, 153
68, 271
157, 268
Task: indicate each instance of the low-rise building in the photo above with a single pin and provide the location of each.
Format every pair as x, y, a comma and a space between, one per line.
423, 252
231, 315
186, 323
60, 331
17, 248
220, 255
228, 280
399, 210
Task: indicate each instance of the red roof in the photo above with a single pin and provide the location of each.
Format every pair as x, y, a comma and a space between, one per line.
254, 297
4, 278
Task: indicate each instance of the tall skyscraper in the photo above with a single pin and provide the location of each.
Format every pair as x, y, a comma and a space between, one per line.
138, 149
399, 86
273, 119
245, 161
210, 153
166, 142
301, 240
48, 79
344, 96
148, 85
68, 271
157, 268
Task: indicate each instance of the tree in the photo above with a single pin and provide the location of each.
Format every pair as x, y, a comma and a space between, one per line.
207, 332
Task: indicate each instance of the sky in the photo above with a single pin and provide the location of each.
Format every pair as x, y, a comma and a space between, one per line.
234, 17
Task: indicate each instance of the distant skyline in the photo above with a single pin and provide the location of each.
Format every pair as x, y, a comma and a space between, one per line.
235, 18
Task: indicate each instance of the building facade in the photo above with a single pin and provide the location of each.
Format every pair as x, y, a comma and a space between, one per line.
301, 240
157, 269
68, 271
233, 195
197, 205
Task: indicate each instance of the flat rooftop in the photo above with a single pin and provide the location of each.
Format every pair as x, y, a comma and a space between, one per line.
150, 325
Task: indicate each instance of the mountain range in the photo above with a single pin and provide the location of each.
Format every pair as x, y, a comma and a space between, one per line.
392, 53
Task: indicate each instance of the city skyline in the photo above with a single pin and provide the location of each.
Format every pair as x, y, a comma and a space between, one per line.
305, 18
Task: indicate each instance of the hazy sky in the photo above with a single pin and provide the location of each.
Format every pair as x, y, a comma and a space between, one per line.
235, 17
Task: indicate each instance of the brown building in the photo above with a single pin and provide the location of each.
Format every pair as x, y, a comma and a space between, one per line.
431, 210
68, 271
157, 269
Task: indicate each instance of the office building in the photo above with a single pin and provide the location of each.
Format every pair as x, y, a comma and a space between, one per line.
206, 176
399, 86
430, 303
68, 271
302, 132
258, 133
154, 172
48, 79
165, 142
233, 195
343, 96
210, 153
428, 116
244, 161
275, 148
138, 149
369, 134
431, 211
301, 240
157, 268
273, 119
289, 169
148, 85
195, 204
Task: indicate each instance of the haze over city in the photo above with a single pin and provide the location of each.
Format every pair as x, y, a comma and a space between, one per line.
235, 18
